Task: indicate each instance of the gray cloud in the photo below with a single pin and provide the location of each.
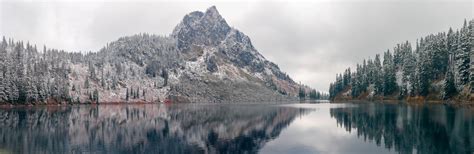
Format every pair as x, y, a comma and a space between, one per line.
310, 40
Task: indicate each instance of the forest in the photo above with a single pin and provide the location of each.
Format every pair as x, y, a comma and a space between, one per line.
202, 60
438, 67
27, 75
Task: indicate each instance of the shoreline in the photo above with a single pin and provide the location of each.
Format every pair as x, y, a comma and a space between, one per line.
426, 102
3, 106
69, 104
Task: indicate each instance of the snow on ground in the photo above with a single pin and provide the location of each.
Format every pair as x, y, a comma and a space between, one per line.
152, 86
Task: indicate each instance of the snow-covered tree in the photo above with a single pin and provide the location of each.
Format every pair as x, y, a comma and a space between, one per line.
463, 56
449, 87
378, 81
389, 77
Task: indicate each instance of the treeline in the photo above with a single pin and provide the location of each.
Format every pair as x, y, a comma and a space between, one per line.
304, 94
132, 69
28, 75
439, 66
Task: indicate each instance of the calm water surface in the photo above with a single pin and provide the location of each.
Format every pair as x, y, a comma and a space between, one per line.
243, 128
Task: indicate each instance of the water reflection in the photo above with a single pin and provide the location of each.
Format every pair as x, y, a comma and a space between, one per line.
143, 128
408, 129
293, 128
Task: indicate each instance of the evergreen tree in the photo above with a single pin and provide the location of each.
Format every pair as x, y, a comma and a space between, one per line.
31, 90
313, 95
332, 92
86, 83
355, 84
463, 56
424, 77
364, 80
102, 79
3, 71
114, 83
370, 72
164, 74
389, 77
302, 93
91, 70
95, 96
127, 95
449, 86
137, 93
471, 34
409, 73
438, 47
378, 81
346, 77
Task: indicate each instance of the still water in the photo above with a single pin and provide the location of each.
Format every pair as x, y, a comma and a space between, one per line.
242, 128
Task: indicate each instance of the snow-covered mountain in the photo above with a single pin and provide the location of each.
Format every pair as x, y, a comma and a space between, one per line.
202, 60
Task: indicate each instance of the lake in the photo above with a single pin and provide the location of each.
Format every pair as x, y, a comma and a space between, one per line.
237, 128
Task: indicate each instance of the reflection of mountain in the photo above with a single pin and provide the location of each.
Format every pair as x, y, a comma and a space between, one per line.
142, 128
434, 129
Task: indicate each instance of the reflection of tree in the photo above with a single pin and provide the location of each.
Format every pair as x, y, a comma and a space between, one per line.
142, 128
433, 129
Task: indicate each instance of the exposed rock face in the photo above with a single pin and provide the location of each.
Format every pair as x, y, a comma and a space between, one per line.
203, 60
198, 28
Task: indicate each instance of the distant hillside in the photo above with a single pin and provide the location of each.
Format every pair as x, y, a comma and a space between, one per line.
203, 60
439, 67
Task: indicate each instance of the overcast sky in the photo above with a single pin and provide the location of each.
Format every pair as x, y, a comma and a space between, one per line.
310, 40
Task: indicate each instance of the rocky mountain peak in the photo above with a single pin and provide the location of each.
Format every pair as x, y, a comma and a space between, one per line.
212, 12
198, 28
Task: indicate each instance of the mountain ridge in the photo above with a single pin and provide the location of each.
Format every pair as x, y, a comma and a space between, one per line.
202, 60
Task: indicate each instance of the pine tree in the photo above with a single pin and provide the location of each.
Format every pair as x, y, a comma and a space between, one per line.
137, 93
313, 94
95, 96
42, 91
463, 57
86, 83
64, 93
370, 71
471, 34
164, 74
332, 92
3, 71
409, 73
403, 90
92, 73
389, 78
301, 93
424, 78
346, 77
31, 90
12, 90
449, 86
102, 79
127, 95
355, 84
114, 83
378, 82
19, 68
364, 78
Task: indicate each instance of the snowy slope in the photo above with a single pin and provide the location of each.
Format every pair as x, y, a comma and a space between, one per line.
203, 60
